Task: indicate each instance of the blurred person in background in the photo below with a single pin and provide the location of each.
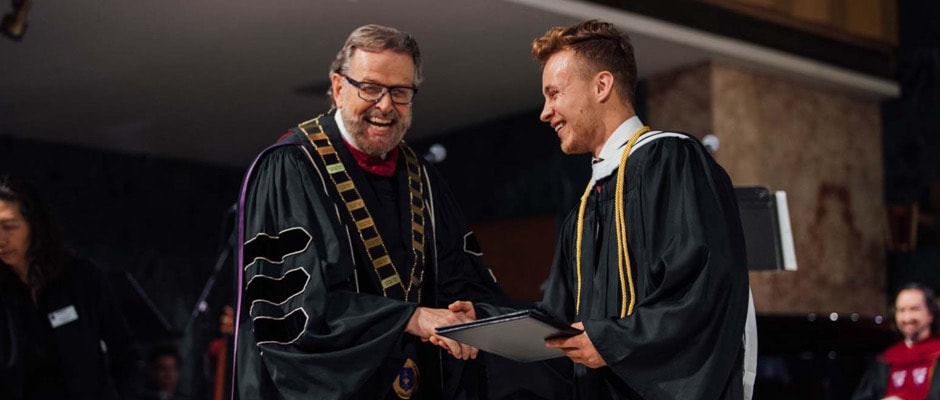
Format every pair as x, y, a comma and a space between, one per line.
163, 374
906, 370
62, 335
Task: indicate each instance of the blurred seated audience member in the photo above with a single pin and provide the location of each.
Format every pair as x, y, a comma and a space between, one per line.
62, 335
906, 369
163, 374
219, 353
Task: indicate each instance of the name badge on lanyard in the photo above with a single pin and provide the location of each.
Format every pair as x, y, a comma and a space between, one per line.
63, 316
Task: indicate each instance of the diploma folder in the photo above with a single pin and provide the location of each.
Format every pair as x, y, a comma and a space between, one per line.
518, 336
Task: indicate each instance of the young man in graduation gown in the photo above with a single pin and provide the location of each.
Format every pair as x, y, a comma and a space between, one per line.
651, 265
907, 369
349, 242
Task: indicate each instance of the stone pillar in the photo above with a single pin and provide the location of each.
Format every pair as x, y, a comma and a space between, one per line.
823, 148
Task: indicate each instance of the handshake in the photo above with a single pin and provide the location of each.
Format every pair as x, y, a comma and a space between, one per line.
425, 320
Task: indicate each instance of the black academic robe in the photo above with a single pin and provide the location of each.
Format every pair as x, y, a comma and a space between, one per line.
687, 257
90, 354
313, 321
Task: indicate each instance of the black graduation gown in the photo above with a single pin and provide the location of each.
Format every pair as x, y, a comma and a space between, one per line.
686, 247
39, 361
314, 324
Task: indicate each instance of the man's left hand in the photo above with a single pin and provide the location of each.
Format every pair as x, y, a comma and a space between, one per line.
464, 307
579, 348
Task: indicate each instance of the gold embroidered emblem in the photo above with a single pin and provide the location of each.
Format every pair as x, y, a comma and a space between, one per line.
407, 381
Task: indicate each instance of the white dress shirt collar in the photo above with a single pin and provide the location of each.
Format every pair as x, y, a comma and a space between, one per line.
609, 159
342, 129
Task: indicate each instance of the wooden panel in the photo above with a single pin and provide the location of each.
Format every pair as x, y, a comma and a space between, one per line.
890, 18
871, 23
759, 3
817, 11
865, 18
520, 253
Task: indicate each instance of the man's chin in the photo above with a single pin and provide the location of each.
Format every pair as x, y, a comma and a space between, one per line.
379, 146
572, 148
913, 336
380, 132
566, 147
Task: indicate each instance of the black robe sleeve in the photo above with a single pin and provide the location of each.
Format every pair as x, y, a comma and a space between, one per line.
315, 336
684, 338
874, 383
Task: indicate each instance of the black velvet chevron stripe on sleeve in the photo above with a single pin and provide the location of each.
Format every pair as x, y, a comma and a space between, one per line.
276, 248
277, 290
280, 330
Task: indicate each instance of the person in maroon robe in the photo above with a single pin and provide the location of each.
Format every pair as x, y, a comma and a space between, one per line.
906, 369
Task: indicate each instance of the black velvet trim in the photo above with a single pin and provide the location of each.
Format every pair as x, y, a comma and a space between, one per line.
275, 249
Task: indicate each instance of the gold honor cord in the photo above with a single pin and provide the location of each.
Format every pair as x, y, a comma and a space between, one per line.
623, 255
375, 247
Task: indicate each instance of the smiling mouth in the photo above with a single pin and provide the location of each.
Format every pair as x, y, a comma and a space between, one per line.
380, 122
558, 126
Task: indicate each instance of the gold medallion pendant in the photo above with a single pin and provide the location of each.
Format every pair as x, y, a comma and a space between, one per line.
407, 382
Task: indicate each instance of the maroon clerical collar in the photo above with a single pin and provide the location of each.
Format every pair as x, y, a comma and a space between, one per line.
375, 165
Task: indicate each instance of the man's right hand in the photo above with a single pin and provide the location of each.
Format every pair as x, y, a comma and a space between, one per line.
465, 308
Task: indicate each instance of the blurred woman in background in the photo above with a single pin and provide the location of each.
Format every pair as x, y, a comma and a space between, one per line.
62, 336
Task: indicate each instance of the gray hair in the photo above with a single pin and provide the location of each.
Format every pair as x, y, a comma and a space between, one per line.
376, 38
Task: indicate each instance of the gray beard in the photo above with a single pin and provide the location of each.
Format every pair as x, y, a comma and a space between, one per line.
357, 131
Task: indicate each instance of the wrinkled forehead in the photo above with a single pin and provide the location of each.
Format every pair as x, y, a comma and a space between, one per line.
387, 63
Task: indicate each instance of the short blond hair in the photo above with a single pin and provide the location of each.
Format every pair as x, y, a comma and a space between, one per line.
600, 46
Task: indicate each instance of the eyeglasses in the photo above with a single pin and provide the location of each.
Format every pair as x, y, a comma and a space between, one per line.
401, 95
